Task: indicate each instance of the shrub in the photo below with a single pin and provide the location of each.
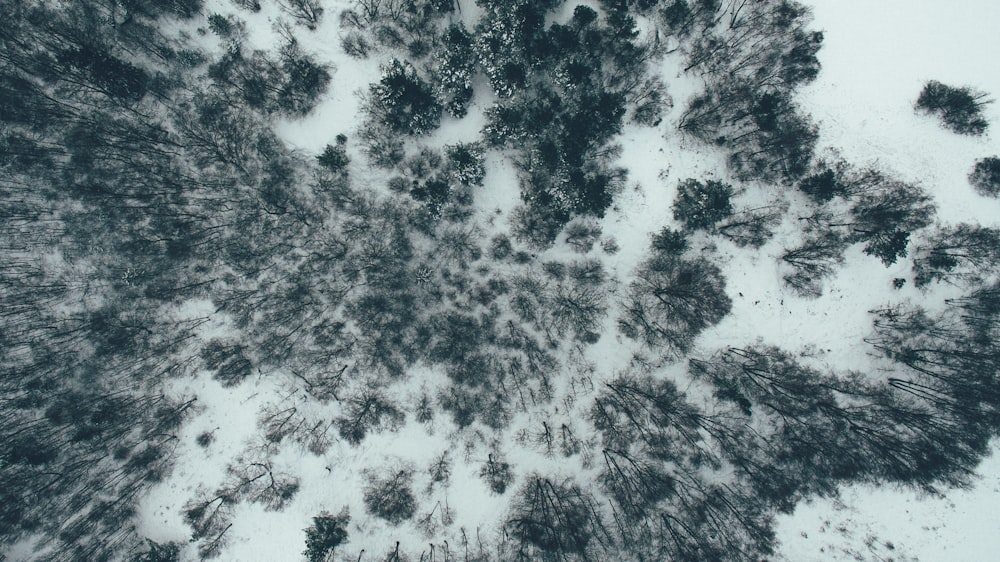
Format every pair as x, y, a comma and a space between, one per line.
325, 534
497, 474
404, 102
985, 176
334, 158
700, 205
960, 109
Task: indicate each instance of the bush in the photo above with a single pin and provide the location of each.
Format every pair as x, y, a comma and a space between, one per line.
465, 164
985, 176
582, 234
391, 498
500, 247
168, 552
960, 109
334, 158
497, 474
610, 246
404, 102
325, 534
700, 205
669, 241
205, 438
822, 186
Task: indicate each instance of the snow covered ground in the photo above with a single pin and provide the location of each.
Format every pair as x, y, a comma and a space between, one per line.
876, 56
875, 60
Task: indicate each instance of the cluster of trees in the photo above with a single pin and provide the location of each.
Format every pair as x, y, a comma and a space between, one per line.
964, 255
753, 55
94, 272
948, 371
553, 520
455, 63
407, 26
564, 91
659, 455
140, 174
766, 136
707, 205
432, 73
289, 84
250, 478
689, 482
853, 206
443, 184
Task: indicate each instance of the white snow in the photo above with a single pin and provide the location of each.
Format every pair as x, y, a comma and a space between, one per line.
876, 58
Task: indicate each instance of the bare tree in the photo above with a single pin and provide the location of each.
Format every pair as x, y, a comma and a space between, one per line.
307, 12
961, 254
752, 227
672, 300
555, 521
367, 410
814, 260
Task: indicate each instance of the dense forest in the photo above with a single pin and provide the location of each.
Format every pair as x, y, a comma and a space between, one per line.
158, 230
